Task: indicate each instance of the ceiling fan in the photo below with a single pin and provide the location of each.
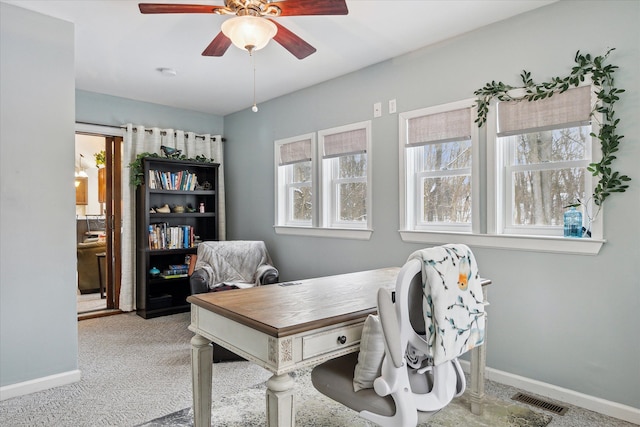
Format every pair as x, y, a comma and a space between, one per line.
252, 28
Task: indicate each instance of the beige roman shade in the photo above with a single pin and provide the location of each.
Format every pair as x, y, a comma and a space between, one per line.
568, 109
447, 126
345, 143
295, 152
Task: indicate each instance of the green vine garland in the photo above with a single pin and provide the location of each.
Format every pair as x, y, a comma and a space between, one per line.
136, 175
602, 78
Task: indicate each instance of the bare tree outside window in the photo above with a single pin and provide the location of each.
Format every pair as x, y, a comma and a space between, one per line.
447, 199
445, 175
546, 171
300, 191
351, 187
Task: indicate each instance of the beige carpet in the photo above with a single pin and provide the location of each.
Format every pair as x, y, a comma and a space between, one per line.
135, 370
247, 409
497, 413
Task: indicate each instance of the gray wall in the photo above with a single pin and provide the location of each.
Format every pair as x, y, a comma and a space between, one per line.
566, 320
38, 321
97, 108
38, 325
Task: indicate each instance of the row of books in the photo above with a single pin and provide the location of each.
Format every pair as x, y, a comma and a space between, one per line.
183, 180
163, 236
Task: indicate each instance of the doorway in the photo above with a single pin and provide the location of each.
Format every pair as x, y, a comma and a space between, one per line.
98, 211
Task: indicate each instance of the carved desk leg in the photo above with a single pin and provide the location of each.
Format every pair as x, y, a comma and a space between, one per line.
478, 361
201, 371
281, 409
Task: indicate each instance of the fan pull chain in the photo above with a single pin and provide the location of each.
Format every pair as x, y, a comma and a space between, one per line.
255, 107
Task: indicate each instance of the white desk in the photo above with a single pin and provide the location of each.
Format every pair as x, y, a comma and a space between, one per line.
284, 327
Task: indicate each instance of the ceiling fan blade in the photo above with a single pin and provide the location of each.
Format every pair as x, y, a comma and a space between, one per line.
312, 7
218, 45
176, 8
294, 44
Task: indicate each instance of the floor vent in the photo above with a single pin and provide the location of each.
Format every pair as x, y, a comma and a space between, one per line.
539, 403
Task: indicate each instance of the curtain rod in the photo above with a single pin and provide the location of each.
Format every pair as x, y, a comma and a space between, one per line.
89, 128
164, 133
96, 124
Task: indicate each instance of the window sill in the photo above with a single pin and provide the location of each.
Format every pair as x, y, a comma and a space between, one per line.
341, 233
562, 245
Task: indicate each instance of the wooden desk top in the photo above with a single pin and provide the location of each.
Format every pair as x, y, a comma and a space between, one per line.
289, 308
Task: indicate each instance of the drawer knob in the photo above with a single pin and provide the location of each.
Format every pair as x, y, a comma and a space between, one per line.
342, 339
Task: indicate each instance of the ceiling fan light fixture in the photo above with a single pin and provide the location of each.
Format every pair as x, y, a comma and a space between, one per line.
249, 32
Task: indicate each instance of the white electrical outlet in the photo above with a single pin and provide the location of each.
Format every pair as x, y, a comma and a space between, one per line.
377, 109
392, 106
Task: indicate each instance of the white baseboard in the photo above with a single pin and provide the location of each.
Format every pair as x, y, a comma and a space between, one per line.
564, 395
39, 384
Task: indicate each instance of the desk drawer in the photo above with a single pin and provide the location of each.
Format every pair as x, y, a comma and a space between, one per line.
331, 340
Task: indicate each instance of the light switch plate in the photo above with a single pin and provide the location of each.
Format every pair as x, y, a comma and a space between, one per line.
377, 109
392, 106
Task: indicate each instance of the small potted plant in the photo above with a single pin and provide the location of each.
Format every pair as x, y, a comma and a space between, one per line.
101, 158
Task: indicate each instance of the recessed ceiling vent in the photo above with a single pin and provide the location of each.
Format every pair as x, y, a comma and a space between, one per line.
540, 403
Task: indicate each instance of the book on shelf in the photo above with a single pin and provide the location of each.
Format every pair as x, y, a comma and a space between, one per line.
164, 236
182, 180
153, 183
177, 269
157, 235
174, 276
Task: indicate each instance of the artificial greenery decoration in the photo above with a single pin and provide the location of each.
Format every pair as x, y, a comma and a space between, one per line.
136, 174
602, 78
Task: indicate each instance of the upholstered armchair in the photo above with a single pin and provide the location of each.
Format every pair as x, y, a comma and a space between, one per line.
88, 278
232, 264
223, 265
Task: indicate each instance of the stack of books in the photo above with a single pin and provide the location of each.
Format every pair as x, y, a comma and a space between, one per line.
175, 270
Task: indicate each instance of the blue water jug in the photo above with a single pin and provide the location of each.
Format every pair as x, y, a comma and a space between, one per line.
573, 223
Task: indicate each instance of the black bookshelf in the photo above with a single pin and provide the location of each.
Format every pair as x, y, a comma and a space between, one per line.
165, 240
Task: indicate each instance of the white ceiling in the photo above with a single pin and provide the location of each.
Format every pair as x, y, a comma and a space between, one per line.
118, 50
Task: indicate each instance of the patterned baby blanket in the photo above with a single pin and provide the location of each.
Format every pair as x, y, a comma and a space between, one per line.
453, 304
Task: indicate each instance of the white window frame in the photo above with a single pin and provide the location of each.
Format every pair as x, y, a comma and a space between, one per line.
411, 197
329, 180
505, 176
498, 194
488, 233
284, 184
319, 226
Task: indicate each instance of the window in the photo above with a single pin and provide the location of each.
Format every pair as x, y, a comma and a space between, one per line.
438, 151
294, 176
542, 150
537, 154
345, 176
324, 189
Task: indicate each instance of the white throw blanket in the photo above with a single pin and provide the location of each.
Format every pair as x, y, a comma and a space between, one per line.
236, 262
453, 304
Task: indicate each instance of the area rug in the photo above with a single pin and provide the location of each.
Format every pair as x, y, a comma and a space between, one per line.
247, 409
